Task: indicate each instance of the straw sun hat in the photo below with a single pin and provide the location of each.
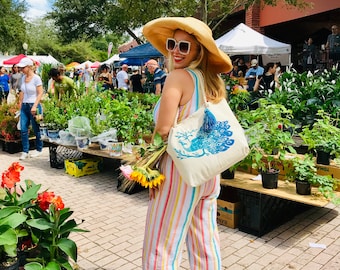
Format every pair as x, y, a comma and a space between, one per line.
157, 31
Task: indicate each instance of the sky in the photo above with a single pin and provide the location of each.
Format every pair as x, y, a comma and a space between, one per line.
38, 8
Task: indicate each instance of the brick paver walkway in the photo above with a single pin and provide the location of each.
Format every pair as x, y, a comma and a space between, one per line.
116, 224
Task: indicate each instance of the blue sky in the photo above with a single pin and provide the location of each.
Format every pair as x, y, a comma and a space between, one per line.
38, 8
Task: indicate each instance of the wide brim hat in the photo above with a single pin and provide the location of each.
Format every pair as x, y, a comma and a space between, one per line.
159, 30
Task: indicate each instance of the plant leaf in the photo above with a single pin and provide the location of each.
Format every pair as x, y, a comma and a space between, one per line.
69, 247
40, 224
33, 266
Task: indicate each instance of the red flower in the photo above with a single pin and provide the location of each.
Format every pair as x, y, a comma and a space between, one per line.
58, 203
44, 199
11, 176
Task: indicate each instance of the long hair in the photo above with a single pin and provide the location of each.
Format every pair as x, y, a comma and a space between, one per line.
213, 84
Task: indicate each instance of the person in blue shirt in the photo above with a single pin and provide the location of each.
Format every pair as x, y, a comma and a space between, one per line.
4, 83
159, 75
253, 73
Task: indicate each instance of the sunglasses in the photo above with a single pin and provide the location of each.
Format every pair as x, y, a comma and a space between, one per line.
183, 46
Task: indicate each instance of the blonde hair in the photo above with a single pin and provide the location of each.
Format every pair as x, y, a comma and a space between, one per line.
213, 84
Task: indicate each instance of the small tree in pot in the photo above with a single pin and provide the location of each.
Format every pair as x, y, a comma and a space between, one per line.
269, 130
323, 136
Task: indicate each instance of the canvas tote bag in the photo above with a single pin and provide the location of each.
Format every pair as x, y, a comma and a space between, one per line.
208, 142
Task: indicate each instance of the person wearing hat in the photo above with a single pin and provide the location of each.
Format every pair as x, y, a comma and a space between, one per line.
159, 75
177, 212
29, 103
255, 72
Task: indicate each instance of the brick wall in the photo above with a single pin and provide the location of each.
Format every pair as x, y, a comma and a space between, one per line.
253, 18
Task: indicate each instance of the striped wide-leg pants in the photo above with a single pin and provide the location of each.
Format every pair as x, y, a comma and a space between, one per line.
180, 213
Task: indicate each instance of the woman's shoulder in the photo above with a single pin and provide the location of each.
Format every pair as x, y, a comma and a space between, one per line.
178, 74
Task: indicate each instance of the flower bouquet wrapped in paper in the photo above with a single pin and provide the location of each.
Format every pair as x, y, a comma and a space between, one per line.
144, 169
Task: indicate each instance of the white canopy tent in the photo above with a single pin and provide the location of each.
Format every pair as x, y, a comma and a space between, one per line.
114, 58
82, 65
243, 40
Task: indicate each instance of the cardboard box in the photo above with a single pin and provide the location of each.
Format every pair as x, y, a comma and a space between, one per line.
228, 213
331, 170
81, 167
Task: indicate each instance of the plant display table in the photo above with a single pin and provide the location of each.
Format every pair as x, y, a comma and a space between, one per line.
15, 146
262, 209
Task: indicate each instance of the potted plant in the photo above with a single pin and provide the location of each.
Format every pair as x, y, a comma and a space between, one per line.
269, 130
323, 137
38, 217
303, 171
14, 204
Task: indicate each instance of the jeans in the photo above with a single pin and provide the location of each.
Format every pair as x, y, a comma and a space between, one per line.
26, 118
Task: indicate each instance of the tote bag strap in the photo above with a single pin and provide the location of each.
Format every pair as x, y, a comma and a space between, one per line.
200, 93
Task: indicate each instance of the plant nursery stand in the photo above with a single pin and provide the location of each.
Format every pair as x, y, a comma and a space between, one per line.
262, 210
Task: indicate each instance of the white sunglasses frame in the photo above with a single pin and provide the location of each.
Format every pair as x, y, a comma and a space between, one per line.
177, 44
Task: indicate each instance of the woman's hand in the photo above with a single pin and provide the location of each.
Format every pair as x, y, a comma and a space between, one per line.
34, 110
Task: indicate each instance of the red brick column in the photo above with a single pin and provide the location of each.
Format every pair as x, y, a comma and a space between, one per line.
253, 18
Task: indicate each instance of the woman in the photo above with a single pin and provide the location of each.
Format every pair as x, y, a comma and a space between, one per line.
4, 84
29, 103
105, 78
269, 78
15, 80
179, 213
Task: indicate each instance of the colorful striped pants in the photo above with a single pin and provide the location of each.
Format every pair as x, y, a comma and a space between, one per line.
180, 213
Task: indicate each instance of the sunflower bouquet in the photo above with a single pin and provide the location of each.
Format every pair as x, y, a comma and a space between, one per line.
144, 169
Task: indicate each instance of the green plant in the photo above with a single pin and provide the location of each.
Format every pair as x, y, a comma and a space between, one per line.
50, 229
15, 201
269, 130
8, 122
40, 217
304, 169
323, 134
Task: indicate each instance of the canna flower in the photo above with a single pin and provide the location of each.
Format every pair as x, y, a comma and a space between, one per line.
12, 175
58, 203
45, 199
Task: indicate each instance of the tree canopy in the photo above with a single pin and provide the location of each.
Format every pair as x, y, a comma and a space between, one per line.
77, 19
12, 30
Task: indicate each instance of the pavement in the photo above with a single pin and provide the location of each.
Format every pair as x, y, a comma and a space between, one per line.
116, 224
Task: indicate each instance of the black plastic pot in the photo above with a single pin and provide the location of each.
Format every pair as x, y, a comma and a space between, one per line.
227, 174
303, 187
322, 157
270, 179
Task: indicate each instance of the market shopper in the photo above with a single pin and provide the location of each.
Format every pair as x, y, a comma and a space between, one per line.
123, 78
4, 83
30, 107
333, 44
63, 85
159, 75
177, 212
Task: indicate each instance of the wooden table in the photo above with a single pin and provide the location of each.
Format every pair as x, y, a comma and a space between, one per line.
93, 150
285, 190
265, 209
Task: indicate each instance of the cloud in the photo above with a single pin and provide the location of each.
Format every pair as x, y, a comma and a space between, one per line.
37, 8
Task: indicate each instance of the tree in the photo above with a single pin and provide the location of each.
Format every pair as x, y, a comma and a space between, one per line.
12, 30
77, 19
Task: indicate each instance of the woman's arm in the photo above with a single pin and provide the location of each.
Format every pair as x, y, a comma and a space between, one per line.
177, 90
